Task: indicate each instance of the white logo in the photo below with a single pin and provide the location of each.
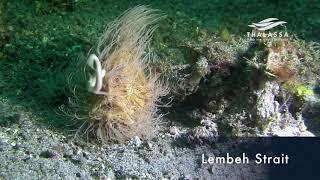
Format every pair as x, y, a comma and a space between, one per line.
267, 24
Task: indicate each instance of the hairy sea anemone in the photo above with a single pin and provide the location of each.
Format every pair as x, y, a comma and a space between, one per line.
125, 90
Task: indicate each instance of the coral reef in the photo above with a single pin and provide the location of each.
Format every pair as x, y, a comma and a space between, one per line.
252, 87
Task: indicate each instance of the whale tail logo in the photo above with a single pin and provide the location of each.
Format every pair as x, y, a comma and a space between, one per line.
267, 24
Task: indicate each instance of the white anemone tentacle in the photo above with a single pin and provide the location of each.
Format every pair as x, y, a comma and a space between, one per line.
96, 81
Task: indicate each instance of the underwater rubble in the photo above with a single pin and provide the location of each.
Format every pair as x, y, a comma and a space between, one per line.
252, 87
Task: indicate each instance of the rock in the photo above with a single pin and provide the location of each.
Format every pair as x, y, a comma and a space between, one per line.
16, 146
49, 154
24, 135
274, 118
266, 106
120, 172
13, 144
200, 69
292, 131
87, 155
136, 142
208, 133
310, 115
29, 156
174, 130
149, 146
76, 159
67, 152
